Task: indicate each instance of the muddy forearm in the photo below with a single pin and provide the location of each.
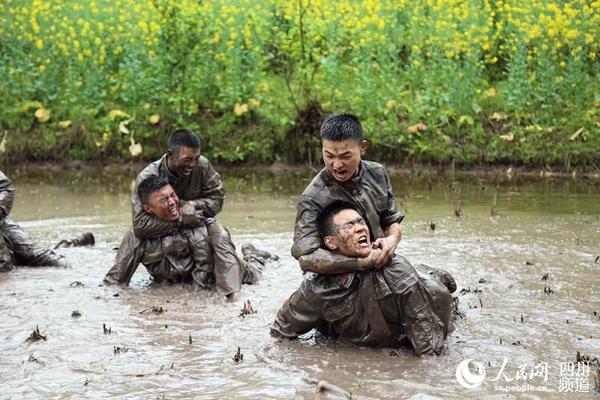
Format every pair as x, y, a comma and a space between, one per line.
119, 274
213, 193
208, 207
114, 276
323, 261
394, 230
147, 226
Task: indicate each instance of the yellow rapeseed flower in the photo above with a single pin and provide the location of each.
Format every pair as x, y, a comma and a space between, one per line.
240, 109
571, 34
42, 115
64, 124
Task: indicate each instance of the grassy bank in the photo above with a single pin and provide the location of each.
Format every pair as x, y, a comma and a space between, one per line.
446, 82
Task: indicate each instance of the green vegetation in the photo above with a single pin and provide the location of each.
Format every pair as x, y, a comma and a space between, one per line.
470, 82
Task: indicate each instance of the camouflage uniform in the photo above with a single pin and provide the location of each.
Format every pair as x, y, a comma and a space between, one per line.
372, 307
15, 246
215, 259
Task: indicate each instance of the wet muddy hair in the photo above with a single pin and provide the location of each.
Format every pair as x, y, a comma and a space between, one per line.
183, 138
150, 185
325, 217
341, 127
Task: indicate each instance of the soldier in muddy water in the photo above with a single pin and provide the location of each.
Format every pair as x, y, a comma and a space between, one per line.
381, 307
199, 188
16, 248
365, 186
183, 256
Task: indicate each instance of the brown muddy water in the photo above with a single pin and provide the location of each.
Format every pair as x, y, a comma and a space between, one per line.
523, 330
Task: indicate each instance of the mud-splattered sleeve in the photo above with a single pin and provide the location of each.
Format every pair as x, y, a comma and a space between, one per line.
389, 213
306, 231
213, 192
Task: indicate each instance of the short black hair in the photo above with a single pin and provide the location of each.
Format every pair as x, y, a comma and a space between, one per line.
325, 217
183, 138
341, 127
150, 185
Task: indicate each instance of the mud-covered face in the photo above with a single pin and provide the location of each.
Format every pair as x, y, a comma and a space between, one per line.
352, 235
343, 158
163, 204
182, 160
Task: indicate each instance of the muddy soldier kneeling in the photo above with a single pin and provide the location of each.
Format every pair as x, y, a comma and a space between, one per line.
15, 246
382, 307
363, 184
201, 191
183, 256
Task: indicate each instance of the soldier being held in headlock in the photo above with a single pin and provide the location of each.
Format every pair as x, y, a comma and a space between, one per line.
363, 184
199, 187
183, 256
15, 246
380, 307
